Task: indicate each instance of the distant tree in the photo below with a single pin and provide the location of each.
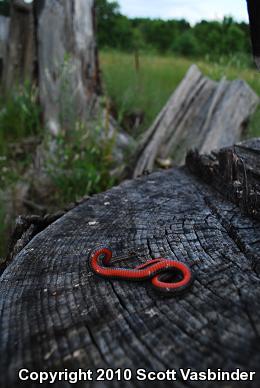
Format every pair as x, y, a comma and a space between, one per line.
211, 38
234, 41
160, 34
114, 29
106, 13
246, 31
186, 44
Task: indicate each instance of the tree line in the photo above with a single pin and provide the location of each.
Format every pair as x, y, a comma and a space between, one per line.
206, 38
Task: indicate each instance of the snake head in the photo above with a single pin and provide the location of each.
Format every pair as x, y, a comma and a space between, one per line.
102, 255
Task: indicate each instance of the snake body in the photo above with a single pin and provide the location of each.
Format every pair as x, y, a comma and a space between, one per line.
154, 269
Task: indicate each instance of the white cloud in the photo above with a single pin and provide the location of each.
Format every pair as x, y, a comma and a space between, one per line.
192, 10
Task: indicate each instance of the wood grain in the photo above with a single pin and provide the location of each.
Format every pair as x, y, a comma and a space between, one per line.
55, 313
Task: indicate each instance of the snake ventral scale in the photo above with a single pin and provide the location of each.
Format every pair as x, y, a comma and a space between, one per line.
160, 271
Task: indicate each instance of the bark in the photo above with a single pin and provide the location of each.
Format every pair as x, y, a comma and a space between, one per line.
234, 171
4, 32
20, 53
200, 114
254, 18
57, 314
67, 57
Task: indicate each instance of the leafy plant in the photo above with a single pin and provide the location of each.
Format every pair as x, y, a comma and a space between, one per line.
82, 163
19, 119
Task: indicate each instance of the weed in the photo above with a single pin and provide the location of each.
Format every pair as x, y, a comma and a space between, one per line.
81, 163
19, 115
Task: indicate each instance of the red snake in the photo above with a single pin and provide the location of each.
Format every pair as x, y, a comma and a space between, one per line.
155, 270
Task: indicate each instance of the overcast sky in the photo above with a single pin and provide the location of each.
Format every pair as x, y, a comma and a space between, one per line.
192, 10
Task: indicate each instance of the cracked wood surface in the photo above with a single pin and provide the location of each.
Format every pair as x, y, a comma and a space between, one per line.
56, 314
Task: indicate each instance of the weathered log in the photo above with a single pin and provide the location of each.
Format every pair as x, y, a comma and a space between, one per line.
56, 314
201, 114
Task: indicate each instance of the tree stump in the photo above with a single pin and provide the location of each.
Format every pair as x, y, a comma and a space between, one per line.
56, 314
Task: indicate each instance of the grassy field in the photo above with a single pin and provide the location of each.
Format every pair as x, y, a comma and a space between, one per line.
148, 89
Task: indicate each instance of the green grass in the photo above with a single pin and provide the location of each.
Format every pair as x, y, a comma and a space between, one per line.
148, 90
19, 115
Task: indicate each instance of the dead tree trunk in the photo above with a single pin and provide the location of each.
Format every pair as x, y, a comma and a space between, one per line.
19, 65
4, 32
67, 57
56, 314
58, 37
254, 18
201, 114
